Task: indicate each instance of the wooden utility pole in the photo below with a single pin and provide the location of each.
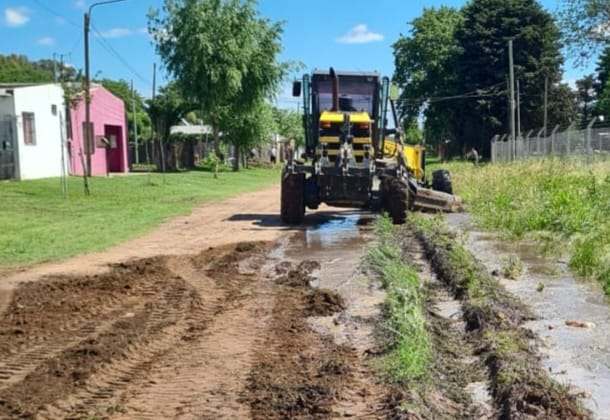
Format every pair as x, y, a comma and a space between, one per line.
135, 123
512, 96
87, 131
518, 110
546, 104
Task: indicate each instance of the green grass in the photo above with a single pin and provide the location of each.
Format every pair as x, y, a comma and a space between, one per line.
410, 352
563, 204
38, 225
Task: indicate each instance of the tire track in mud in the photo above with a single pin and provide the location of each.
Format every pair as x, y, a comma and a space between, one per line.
206, 378
95, 372
460, 388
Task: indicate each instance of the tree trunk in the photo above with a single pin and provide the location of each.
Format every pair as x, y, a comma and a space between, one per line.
235, 158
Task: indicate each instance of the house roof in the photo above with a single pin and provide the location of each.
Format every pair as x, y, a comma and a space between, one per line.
190, 129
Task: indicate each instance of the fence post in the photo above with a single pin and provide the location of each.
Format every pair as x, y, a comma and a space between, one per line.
494, 148
553, 136
589, 132
569, 138
539, 140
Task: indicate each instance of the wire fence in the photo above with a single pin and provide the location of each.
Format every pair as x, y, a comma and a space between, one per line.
591, 143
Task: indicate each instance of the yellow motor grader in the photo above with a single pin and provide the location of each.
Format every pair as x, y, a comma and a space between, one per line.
351, 158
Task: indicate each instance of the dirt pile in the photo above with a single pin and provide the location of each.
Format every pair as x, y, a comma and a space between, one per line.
323, 302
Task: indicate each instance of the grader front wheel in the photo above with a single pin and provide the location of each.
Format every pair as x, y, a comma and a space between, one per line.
293, 198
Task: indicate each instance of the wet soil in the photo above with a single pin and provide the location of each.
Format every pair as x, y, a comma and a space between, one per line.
520, 385
458, 385
232, 332
571, 354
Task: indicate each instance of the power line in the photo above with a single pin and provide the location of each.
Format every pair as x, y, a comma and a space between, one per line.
56, 14
106, 45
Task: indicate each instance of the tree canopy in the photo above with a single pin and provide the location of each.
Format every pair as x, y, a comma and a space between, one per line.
454, 66
223, 55
19, 69
585, 26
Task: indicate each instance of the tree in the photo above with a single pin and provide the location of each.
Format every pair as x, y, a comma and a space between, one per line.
19, 69
585, 26
166, 110
249, 129
603, 105
603, 71
425, 63
563, 108
222, 54
482, 67
289, 124
586, 94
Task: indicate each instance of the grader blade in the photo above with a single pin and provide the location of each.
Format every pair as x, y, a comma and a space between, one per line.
430, 200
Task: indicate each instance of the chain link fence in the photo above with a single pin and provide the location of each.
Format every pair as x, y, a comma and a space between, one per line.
589, 142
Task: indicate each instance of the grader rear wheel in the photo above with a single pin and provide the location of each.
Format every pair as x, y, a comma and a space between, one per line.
396, 199
293, 198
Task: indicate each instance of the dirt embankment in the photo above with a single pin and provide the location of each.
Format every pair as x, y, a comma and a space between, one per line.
494, 318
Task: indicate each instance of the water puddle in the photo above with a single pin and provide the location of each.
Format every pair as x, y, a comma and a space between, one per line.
339, 244
578, 353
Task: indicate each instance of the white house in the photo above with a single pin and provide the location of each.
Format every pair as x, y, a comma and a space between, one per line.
32, 131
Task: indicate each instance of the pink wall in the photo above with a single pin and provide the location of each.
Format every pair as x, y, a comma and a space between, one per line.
106, 109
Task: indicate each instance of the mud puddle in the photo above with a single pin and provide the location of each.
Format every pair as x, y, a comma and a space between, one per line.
573, 316
347, 306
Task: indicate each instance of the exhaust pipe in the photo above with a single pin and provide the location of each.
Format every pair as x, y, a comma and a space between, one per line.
335, 80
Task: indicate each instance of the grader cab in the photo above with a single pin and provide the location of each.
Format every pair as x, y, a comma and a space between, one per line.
349, 161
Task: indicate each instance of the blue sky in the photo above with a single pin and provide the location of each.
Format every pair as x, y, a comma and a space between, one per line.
347, 34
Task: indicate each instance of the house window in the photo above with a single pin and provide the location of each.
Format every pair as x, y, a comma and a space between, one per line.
54, 110
29, 128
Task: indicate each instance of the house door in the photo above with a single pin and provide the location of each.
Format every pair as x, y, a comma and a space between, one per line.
8, 147
114, 151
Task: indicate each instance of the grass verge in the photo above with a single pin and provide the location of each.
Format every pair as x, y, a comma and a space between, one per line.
39, 225
409, 354
520, 386
563, 204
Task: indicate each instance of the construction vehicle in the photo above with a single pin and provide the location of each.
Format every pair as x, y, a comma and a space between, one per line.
352, 159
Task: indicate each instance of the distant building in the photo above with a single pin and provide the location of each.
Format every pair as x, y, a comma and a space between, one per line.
32, 131
110, 133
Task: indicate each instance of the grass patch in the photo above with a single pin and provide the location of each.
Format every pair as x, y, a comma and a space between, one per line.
563, 204
39, 225
409, 354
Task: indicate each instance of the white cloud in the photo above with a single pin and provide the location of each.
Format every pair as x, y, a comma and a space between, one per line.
46, 41
81, 4
117, 33
16, 16
360, 34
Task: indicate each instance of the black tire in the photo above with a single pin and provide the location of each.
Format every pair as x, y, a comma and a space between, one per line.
396, 199
293, 198
441, 181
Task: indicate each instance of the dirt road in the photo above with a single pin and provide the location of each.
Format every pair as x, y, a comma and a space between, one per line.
210, 316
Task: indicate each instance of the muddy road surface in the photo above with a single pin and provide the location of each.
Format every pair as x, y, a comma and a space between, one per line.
249, 326
225, 313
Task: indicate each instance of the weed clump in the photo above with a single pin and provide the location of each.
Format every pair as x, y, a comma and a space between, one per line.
409, 354
558, 202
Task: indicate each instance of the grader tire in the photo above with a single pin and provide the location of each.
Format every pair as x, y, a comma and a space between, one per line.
396, 199
441, 181
293, 198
